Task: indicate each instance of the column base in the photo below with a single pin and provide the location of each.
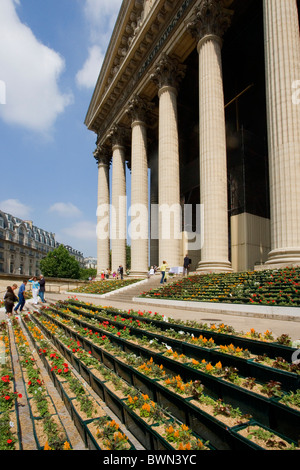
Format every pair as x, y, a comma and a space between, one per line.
209, 267
282, 258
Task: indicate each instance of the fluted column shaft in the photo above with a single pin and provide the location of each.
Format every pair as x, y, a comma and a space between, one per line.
139, 199
208, 25
282, 56
119, 208
168, 179
103, 212
213, 167
167, 75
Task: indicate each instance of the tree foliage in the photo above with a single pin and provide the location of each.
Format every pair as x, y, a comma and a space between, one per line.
59, 263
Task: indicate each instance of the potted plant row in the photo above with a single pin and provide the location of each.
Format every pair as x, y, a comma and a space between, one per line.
256, 343
229, 355
10, 438
83, 408
112, 357
112, 385
251, 401
48, 428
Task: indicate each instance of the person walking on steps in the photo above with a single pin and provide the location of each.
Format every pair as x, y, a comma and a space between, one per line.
9, 299
42, 283
35, 289
21, 295
163, 269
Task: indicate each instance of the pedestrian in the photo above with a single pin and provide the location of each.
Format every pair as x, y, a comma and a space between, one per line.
9, 299
121, 271
21, 295
42, 290
151, 272
186, 265
35, 289
163, 272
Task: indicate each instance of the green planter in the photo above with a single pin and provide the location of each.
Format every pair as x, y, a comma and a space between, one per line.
210, 428
285, 419
243, 443
98, 386
289, 381
114, 403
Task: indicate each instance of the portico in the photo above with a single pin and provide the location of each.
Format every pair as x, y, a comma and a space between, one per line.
188, 94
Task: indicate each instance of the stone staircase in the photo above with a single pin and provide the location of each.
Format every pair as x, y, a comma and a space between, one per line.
126, 295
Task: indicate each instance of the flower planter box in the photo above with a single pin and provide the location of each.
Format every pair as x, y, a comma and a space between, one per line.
209, 427
244, 443
272, 349
124, 372
34, 412
93, 443
81, 420
97, 385
138, 429
10, 419
173, 402
114, 402
285, 419
145, 384
289, 381
85, 372
39, 434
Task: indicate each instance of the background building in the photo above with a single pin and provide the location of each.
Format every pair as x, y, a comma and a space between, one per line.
23, 245
203, 95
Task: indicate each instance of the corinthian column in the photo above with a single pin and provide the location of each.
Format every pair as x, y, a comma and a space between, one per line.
118, 197
208, 26
139, 225
282, 55
167, 76
103, 213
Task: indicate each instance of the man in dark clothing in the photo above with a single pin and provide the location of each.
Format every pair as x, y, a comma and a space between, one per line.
121, 271
21, 295
42, 288
186, 265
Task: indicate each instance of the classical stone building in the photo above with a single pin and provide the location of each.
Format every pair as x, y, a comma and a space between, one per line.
200, 99
23, 245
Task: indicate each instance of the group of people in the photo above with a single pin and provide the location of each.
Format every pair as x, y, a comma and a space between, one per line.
10, 298
163, 269
116, 274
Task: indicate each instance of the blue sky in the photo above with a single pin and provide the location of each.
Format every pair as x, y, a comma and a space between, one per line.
51, 53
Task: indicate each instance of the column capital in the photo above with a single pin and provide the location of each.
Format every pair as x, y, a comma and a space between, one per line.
118, 135
138, 108
102, 155
210, 18
168, 72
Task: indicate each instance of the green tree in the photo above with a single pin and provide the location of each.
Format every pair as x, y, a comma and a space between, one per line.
59, 263
85, 273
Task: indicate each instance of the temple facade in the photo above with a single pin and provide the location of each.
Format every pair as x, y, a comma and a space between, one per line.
199, 102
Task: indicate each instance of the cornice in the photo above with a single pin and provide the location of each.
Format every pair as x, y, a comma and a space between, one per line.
136, 42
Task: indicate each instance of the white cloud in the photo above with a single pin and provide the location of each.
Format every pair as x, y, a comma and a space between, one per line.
65, 209
101, 16
83, 230
15, 208
31, 72
88, 75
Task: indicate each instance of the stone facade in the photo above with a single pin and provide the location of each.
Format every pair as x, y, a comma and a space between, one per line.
23, 245
200, 98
